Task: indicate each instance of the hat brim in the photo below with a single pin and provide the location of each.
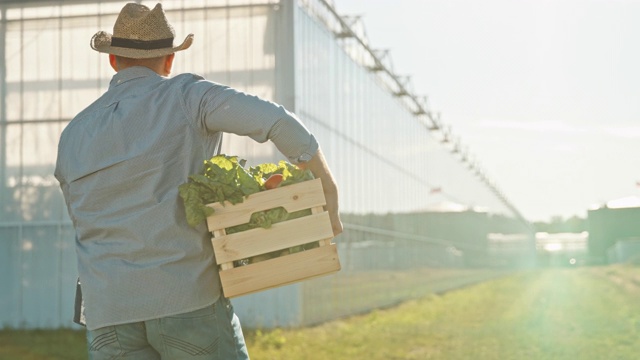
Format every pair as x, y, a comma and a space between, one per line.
101, 42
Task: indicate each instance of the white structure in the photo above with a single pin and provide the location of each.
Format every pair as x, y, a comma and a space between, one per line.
387, 149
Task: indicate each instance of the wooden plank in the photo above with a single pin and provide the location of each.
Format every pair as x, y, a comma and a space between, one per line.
293, 197
325, 241
280, 271
280, 236
219, 233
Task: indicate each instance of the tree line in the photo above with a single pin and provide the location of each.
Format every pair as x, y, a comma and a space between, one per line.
558, 224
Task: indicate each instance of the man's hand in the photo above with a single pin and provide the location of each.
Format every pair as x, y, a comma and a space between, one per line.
318, 166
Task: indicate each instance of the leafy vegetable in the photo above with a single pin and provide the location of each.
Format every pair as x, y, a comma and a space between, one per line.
223, 178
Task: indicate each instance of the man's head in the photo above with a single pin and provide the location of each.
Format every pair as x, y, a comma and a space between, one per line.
141, 36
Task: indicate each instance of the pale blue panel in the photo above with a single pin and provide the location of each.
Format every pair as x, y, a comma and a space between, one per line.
10, 277
40, 277
279, 307
68, 275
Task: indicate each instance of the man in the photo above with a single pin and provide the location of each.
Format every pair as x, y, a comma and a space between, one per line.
149, 283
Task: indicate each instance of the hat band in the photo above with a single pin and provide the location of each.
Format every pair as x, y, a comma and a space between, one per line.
142, 44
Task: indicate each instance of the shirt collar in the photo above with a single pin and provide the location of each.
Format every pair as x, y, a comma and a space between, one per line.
131, 73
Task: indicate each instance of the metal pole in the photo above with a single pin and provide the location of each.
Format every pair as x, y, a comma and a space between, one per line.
3, 106
285, 93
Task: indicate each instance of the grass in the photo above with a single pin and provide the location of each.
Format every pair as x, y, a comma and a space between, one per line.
42, 345
347, 293
584, 313
554, 314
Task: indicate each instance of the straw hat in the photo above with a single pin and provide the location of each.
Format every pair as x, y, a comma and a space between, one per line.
139, 33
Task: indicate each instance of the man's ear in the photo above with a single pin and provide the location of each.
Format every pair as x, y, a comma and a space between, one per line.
112, 61
168, 64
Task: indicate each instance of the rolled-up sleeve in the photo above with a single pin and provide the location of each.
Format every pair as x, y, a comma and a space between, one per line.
219, 108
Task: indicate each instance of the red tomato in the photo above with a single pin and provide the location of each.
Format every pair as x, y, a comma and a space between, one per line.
273, 181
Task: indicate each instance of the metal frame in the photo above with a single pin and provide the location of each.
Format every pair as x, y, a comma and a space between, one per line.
343, 29
417, 104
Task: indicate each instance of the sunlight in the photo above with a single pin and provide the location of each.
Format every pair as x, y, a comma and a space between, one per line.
553, 247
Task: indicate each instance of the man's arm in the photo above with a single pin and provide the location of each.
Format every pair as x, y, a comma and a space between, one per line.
221, 108
320, 169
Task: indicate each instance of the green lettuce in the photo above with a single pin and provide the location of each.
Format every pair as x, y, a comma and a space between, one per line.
224, 178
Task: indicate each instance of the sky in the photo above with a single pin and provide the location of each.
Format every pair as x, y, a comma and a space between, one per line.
545, 94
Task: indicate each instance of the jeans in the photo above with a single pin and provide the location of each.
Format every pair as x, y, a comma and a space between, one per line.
211, 333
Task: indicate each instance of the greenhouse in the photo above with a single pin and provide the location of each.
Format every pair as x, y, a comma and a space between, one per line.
416, 206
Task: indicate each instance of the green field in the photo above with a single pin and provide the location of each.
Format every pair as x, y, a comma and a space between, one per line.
582, 313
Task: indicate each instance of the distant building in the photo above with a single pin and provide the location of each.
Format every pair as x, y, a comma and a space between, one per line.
614, 231
562, 249
483, 238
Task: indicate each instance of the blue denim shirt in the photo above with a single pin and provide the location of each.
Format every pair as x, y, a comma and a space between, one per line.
120, 162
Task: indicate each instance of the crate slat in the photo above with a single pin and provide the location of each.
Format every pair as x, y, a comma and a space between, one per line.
292, 197
327, 240
219, 233
280, 271
279, 236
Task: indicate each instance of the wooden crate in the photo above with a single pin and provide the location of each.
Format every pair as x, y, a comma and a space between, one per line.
283, 270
